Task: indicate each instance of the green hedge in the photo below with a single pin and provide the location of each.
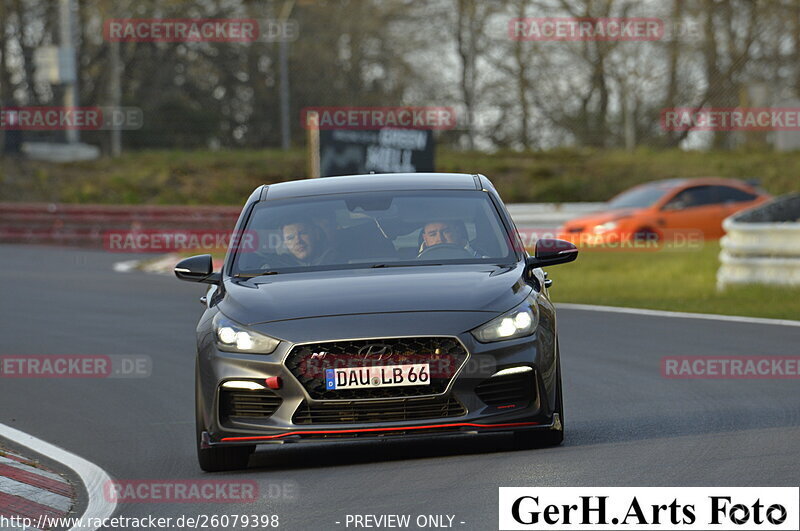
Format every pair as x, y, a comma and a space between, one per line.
227, 177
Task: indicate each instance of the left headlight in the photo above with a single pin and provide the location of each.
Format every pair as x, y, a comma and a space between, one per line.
519, 322
230, 336
607, 226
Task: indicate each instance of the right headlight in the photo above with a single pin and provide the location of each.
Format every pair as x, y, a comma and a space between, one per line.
519, 322
232, 337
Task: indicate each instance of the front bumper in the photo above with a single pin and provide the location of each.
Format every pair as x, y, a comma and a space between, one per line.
404, 432
536, 352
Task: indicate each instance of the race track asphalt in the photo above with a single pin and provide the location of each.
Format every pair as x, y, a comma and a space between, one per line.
626, 424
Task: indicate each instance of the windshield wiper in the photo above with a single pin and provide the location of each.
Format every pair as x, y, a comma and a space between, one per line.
254, 275
402, 265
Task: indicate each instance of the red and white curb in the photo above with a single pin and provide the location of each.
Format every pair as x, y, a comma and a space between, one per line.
28, 491
32, 492
163, 265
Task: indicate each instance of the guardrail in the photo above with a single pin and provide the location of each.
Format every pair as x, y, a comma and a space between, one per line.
549, 215
84, 225
762, 245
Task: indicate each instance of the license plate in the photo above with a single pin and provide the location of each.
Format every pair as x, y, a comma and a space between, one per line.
383, 376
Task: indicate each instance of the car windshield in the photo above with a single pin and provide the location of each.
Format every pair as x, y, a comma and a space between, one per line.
375, 229
639, 197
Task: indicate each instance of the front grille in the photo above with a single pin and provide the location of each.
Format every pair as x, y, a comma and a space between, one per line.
403, 409
260, 403
506, 390
308, 363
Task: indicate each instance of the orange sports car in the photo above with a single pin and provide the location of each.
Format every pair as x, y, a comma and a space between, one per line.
658, 210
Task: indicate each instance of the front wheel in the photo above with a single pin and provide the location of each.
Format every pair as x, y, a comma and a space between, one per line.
646, 235
217, 459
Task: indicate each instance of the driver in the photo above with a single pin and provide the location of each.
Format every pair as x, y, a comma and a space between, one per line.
446, 232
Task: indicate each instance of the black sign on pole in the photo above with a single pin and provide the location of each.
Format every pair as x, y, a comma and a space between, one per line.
352, 152
12, 138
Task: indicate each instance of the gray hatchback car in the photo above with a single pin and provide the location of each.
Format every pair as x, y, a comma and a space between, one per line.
399, 305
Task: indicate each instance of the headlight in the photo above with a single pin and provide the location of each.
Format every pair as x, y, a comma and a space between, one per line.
519, 322
607, 226
233, 337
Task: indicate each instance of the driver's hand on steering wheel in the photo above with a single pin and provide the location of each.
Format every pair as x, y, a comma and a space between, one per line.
444, 251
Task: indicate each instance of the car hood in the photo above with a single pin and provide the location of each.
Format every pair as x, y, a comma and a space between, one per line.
481, 288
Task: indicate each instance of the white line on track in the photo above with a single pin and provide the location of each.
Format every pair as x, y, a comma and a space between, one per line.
92, 476
679, 315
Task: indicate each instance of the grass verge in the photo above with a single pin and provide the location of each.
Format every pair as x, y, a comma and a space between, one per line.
669, 279
228, 176
683, 281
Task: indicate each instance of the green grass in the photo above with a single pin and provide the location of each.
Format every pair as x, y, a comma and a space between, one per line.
152, 177
227, 177
666, 280
597, 175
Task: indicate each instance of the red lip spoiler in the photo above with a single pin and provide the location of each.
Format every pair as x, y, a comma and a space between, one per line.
368, 430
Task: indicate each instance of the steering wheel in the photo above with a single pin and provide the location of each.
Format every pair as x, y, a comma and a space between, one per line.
275, 260
258, 260
444, 250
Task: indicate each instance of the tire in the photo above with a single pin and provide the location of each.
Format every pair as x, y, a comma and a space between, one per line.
217, 459
528, 439
646, 235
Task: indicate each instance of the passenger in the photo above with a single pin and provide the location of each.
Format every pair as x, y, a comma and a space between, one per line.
325, 219
307, 243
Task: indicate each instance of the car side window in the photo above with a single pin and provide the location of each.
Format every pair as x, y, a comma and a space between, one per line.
729, 194
694, 196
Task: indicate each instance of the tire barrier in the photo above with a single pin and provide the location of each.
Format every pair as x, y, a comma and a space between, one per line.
762, 245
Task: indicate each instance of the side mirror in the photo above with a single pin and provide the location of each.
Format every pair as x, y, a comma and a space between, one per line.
551, 252
197, 269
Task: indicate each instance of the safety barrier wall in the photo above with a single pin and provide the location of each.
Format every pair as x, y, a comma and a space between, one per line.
84, 225
762, 245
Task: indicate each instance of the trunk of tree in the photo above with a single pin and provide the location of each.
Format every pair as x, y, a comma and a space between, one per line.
465, 39
522, 84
